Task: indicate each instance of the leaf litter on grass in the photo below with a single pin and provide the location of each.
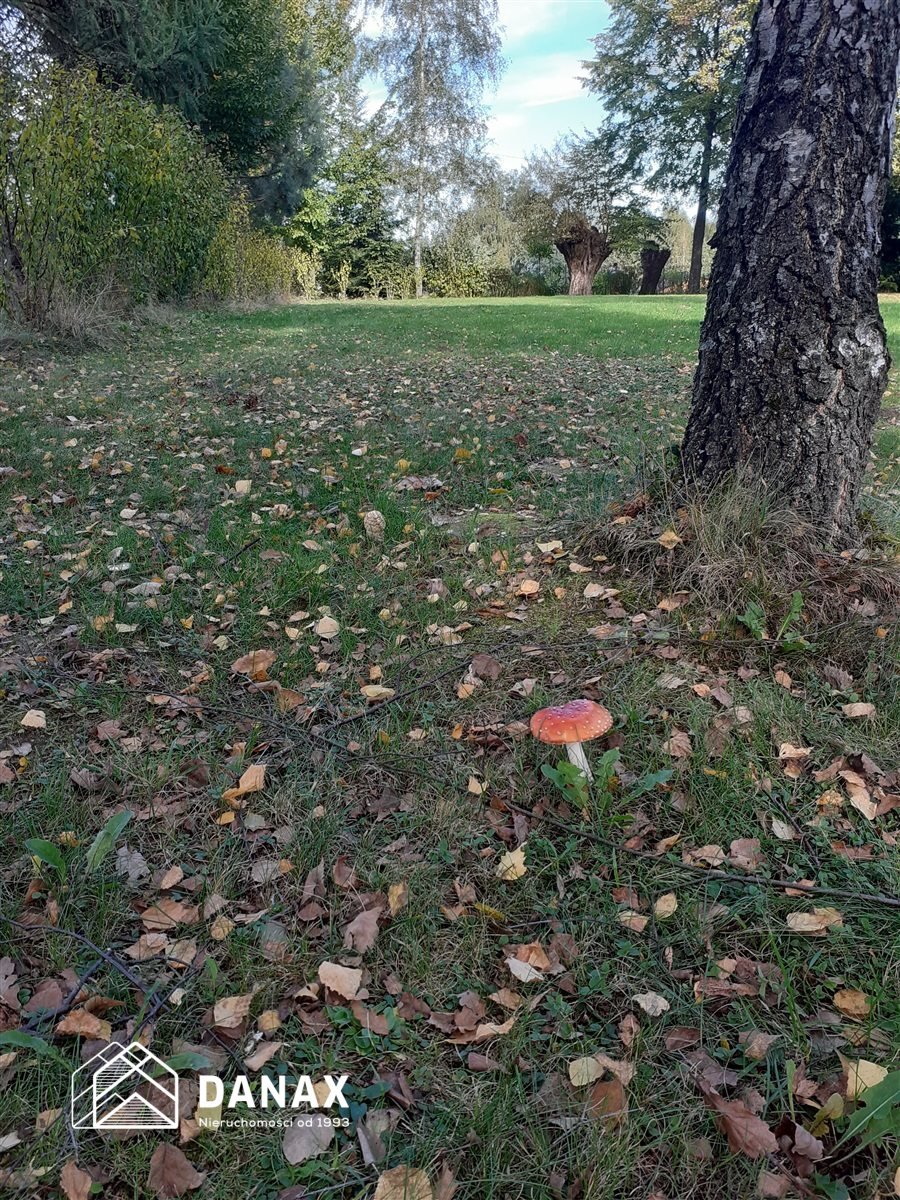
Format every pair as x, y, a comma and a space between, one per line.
294, 700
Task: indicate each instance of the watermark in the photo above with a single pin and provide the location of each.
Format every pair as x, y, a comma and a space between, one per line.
131, 1089
267, 1094
125, 1088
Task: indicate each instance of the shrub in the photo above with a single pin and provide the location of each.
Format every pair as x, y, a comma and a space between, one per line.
99, 190
244, 263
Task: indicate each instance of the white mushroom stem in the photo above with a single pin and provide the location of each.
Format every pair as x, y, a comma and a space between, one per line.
578, 758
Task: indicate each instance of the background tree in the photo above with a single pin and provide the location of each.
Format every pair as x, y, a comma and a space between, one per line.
583, 199
890, 220
436, 57
668, 73
241, 70
793, 357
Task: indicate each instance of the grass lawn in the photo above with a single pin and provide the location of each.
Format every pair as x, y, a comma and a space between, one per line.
197, 495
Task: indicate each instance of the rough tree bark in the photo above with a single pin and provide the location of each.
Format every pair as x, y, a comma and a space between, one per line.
695, 273
585, 249
793, 358
653, 261
419, 226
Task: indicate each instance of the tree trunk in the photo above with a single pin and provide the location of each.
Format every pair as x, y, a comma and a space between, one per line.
653, 260
695, 273
793, 357
585, 249
419, 229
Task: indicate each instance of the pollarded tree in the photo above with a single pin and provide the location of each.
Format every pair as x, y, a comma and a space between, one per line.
583, 199
668, 73
436, 57
793, 356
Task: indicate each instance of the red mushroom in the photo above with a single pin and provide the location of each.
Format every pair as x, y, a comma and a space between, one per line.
570, 725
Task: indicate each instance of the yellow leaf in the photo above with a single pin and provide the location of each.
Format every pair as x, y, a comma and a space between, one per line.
669, 540
861, 1074
251, 781
512, 864
665, 906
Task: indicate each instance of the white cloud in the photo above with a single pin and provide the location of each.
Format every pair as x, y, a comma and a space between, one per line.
539, 80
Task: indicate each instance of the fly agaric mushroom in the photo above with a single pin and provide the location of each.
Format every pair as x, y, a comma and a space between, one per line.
570, 725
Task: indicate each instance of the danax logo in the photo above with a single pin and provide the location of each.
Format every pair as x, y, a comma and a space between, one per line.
265, 1093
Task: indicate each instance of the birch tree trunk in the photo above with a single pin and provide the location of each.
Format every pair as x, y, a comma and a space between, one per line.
793, 358
419, 227
695, 273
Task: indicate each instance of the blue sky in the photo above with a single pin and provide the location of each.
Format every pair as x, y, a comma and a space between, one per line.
540, 95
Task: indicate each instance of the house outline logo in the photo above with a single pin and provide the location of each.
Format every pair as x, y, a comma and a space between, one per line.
124, 1088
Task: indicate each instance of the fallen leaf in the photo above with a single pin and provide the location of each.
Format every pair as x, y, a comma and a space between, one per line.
679, 745
857, 710
85, 1024
398, 897
343, 981
302, 1141
35, 718
255, 664
652, 1003
326, 628
362, 932
669, 540
374, 692
404, 1183
861, 1074
665, 906
251, 780
746, 1132
229, 1012
815, 923
74, 1182
171, 1173
512, 864
608, 1100
852, 1003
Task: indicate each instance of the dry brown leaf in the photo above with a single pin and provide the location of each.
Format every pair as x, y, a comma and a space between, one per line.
815, 923
858, 710
255, 664
608, 1100
229, 1012
853, 1003
361, 933
343, 981
652, 1003
251, 780
665, 906
861, 1074
84, 1024
404, 1183
167, 913
678, 745
746, 1132
262, 1054
398, 897
74, 1182
35, 718
302, 1141
171, 1173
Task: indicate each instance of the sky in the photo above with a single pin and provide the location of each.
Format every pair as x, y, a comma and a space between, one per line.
540, 95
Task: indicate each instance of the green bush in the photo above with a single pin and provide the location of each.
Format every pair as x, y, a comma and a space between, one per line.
100, 192
244, 263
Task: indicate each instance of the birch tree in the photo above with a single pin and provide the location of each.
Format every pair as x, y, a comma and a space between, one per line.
436, 58
793, 356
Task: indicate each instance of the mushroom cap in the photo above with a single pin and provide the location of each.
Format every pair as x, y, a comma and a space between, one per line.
577, 721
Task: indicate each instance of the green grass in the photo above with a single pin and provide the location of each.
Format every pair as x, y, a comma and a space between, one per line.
537, 416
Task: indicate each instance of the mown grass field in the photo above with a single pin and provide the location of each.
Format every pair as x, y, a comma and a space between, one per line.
197, 495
